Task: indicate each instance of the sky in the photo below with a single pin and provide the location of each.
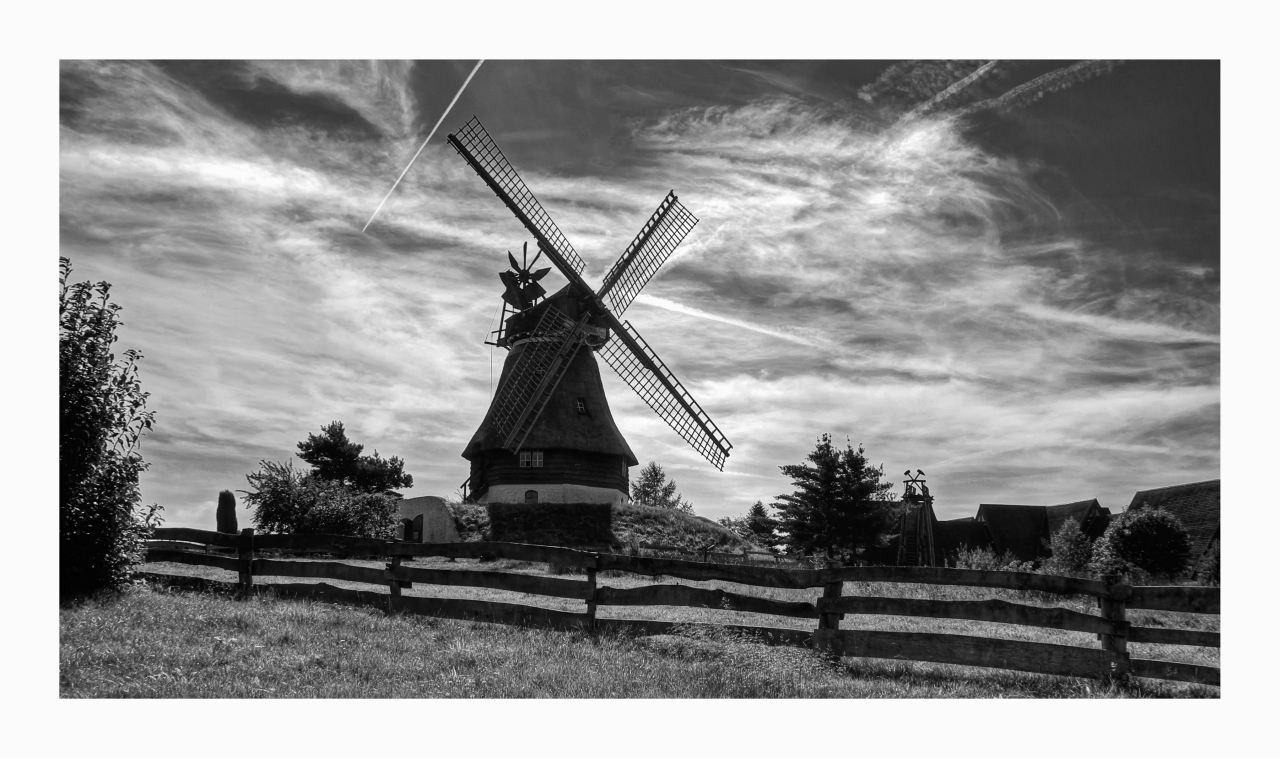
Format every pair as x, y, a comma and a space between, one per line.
1012, 283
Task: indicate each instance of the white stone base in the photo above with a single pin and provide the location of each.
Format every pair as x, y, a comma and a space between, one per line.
554, 493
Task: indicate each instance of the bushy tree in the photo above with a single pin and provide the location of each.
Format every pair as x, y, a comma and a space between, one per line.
1151, 541
757, 526
839, 504
762, 526
227, 512
287, 501
335, 458
651, 488
102, 416
1070, 550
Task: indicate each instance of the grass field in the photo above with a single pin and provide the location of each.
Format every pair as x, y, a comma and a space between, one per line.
155, 643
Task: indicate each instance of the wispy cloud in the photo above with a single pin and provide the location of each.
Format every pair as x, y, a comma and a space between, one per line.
903, 286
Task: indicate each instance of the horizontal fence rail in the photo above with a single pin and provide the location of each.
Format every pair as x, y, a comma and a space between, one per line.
965, 650
237, 553
999, 611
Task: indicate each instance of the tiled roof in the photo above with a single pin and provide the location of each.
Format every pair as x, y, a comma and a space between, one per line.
1058, 514
950, 536
1196, 505
1019, 529
1089, 514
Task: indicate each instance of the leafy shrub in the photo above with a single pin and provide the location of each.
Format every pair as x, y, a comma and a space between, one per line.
736, 524
286, 501
102, 415
1071, 551
472, 520
1143, 542
985, 559
227, 512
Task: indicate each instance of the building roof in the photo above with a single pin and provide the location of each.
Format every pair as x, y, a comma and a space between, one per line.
561, 425
1197, 506
1078, 512
949, 536
1018, 529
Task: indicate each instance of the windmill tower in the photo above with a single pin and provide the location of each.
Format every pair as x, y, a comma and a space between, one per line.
549, 435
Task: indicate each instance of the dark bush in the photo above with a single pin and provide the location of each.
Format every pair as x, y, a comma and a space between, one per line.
1153, 542
564, 524
102, 415
227, 512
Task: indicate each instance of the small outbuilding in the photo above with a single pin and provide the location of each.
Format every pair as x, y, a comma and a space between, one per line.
427, 519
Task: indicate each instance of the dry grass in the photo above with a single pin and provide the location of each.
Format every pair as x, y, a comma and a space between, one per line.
150, 643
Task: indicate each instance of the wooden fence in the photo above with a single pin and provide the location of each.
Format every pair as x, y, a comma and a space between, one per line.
1114, 597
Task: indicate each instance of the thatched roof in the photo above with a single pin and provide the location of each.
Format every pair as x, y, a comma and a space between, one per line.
561, 425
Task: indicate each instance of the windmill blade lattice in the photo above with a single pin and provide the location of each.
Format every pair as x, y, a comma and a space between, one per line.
662, 233
687, 418
475, 145
534, 377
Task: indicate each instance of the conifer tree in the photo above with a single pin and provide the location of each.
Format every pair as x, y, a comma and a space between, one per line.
651, 488
839, 503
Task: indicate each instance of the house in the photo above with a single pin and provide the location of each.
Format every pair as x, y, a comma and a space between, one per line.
1019, 530
1197, 506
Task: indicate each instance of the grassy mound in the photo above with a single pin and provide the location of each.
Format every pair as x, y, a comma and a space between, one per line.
591, 525
661, 526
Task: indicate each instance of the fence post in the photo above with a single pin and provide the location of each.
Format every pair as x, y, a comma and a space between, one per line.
394, 584
245, 552
591, 598
1112, 607
828, 621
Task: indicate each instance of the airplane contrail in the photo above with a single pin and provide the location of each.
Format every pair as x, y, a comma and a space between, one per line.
424, 144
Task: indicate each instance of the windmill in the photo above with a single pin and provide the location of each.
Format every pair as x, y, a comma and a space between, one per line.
548, 435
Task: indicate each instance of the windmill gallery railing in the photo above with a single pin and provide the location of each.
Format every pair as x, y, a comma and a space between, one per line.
1114, 632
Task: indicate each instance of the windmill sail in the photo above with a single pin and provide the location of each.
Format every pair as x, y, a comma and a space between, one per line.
475, 145
546, 355
659, 237
644, 371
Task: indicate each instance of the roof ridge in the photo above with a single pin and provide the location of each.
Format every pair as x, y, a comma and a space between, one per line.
1176, 486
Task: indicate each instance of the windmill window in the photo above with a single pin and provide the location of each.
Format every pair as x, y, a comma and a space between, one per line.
530, 459
531, 496
582, 405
